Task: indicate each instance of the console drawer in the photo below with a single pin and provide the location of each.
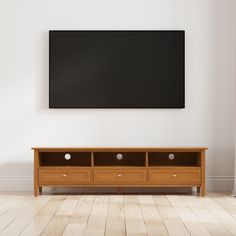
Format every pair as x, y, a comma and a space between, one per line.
64, 176
122, 175
175, 175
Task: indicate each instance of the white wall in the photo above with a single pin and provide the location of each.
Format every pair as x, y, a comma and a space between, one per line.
26, 120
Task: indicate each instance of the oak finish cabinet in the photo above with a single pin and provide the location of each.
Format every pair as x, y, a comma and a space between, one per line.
144, 167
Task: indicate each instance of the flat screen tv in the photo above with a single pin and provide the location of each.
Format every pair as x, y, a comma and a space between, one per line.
116, 69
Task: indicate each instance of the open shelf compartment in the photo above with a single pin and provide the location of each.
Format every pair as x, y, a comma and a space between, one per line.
174, 159
59, 159
119, 159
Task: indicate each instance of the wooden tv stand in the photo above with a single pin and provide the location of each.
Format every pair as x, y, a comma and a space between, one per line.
144, 167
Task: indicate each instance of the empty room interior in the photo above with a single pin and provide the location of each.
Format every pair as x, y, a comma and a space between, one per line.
118, 118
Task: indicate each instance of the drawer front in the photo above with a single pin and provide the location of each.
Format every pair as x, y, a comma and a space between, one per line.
119, 176
64, 176
175, 175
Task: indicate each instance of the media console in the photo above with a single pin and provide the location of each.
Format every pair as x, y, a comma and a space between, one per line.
144, 167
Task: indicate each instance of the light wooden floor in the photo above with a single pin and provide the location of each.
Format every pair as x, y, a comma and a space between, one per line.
117, 215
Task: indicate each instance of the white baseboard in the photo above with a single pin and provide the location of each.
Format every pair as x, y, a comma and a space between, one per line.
25, 183
220, 183
16, 183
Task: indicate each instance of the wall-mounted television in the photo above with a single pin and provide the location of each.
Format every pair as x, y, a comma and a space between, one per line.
117, 69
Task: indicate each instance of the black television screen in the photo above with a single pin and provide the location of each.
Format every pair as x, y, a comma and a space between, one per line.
116, 69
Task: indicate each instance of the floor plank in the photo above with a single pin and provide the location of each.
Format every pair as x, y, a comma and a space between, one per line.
175, 227
133, 217
60, 220
209, 221
8, 216
41, 220
97, 219
22, 220
78, 221
151, 216
191, 222
115, 224
117, 215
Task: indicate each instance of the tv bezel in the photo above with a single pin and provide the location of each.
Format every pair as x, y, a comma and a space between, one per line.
112, 107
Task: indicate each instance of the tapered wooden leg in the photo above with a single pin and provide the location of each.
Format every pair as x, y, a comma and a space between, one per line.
36, 190
198, 190
202, 191
203, 177
40, 190
36, 177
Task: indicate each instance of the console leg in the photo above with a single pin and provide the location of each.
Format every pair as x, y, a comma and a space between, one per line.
202, 191
40, 190
36, 173
198, 190
36, 190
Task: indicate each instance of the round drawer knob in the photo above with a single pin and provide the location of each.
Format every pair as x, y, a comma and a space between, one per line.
171, 156
64, 175
119, 156
67, 156
119, 175
174, 175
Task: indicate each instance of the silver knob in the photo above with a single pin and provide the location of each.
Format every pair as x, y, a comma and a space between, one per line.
119, 156
64, 175
119, 175
174, 175
67, 156
171, 156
